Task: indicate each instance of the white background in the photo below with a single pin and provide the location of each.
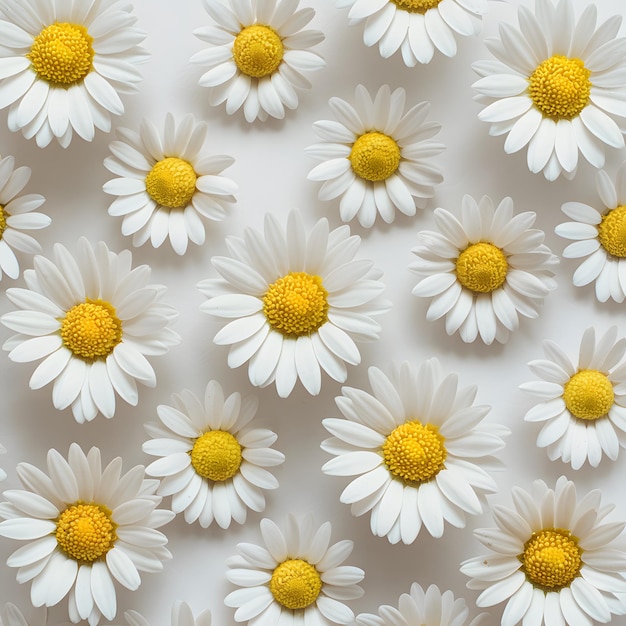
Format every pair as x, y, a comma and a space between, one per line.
271, 170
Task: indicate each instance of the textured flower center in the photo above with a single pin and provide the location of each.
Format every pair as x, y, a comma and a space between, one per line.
296, 304
216, 455
171, 182
612, 231
560, 87
295, 584
258, 51
85, 532
588, 394
416, 6
551, 559
62, 53
3, 220
91, 329
482, 267
414, 452
374, 156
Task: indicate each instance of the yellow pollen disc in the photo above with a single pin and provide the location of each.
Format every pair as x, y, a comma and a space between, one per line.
416, 6
62, 54
414, 452
374, 156
551, 559
91, 329
295, 584
296, 304
588, 394
3, 220
216, 455
85, 532
560, 87
258, 51
171, 182
612, 231
482, 267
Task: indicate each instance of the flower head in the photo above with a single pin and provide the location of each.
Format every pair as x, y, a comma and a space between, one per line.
12, 616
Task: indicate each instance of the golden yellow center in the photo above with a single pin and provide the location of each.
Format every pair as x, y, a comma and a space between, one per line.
296, 304
374, 156
416, 6
3, 220
560, 87
91, 330
551, 559
216, 455
612, 231
85, 532
62, 54
588, 394
482, 267
171, 182
295, 584
414, 452
258, 51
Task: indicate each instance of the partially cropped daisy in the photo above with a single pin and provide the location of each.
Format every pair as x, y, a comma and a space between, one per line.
12, 616
64, 65
296, 577
582, 403
91, 320
557, 87
419, 450
85, 528
552, 559
376, 157
296, 303
483, 270
166, 183
415, 27
258, 56
182, 615
212, 462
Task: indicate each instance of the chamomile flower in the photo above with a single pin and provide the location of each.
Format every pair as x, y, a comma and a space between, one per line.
182, 615
557, 87
552, 559
12, 616
483, 270
296, 303
64, 66
259, 56
296, 577
415, 27
91, 320
166, 183
211, 461
419, 450
376, 157
85, 528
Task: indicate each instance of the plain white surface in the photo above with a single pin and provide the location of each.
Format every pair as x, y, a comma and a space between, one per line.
271, 170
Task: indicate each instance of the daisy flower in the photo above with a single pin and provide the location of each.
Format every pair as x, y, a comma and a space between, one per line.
415, 27
376, 156
483, 270
556, 86
258, 55
91, 321
296, 303
211, 461
582, 404
419, 450
182, 615
166, 184
552, 557
295, 576
12, 616
85, 528
64, 66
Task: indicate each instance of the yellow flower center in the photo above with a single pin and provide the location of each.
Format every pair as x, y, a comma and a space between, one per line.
85, 532
482, 267
374, 156
416, 6
91, 329
62, 54
216, 455
295, 584
588, 394
296, 304
551, 559
612, 231
414, 452
258, 51
560, 87
3, 220
171, 182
